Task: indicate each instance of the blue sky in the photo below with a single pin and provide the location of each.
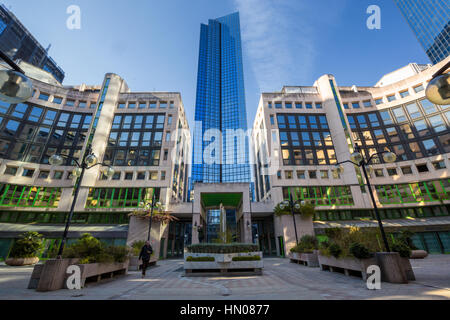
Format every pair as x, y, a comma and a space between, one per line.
153, 44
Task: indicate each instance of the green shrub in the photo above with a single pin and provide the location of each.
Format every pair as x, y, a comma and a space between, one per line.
200, 259
247, 258
335, 250
307, 244
222, 247
90, 250
136, 247
28, 246
359, 251
402, 248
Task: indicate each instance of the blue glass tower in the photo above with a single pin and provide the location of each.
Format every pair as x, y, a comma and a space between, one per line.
430, 21
220, 105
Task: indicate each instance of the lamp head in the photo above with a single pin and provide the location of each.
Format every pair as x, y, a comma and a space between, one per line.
56, 160
15, 87
109, 172
389, 157
76, 172
356, 157
438, 89
91, 159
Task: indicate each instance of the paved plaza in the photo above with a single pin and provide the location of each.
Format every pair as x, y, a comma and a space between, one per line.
281, 280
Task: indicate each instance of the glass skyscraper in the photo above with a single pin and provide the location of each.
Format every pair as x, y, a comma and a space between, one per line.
430, 21
220, 106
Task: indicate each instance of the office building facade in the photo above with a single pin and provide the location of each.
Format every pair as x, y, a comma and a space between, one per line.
19, 44
300, 133
143, 136
430, 22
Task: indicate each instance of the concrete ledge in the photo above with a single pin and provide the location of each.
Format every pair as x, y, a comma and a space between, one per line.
348, 265
307, 259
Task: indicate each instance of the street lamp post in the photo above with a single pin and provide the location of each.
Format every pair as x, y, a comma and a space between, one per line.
150, 206
293, 205
358, 160
89, 161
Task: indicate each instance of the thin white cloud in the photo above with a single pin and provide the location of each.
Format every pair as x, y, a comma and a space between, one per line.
279, 39
276, 40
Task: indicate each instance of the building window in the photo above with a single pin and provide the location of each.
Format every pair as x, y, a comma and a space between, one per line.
279, 175
272, 120
308, 105
44, 96
11, 171
167, 136
116, 176
404, 94
163, 175
300, 174
324, 174
103, 176
57, 100
43, 174
288, 174
70, 103
438, 165
128, 175
121, 105
163, 104
378, 101
367, 104
298, 105
166, 154
57, 175
169, 120
312, 174
392, 171
418, 88
142, 105
153, 175
406, 170
355, 105
141, 176
318, 106
437, 123
82, 104
399, 114
430, 147
278, 105
422, 167
379, 173
152, 105
288, 105
28, 173
428, 107
131, 105
269, 105
391, 98
346, 106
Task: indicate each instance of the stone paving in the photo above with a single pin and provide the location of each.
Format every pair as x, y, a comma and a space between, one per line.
281, 280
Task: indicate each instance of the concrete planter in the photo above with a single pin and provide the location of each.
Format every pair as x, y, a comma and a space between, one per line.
52, 275
406, 266
22, 261
348, 264
307, 259
223, 263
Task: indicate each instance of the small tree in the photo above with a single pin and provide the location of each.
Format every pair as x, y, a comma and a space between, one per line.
28, 246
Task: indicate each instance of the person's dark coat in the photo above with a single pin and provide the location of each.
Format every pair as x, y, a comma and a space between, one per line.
146, 253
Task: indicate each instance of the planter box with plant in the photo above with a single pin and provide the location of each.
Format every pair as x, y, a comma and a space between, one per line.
213, 258
355, 249
305, 252
95, 259
25, 250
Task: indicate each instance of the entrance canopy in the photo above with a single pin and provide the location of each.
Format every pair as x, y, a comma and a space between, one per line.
212, 200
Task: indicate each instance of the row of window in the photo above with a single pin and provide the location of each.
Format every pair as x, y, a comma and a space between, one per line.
321, 196
119, 197
296, 105
140, 175
425, 191
29, 196
67, 101
146, 105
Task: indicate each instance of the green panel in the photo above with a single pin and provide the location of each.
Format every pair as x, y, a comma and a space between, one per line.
227, 199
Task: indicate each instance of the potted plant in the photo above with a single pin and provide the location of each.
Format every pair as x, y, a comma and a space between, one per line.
25, 250
305, 251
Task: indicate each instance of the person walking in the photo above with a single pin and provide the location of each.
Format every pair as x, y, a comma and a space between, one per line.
145, 255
